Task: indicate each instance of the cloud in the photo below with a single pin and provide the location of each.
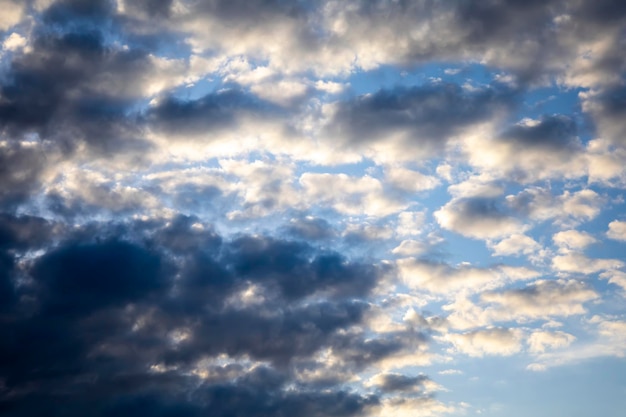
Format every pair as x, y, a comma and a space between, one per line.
540, 204
541, 299
444, 279
495, 341
573, 240
224, 207
478, 218
419, 121
579, 263
515, 245
22, 168
118, 327
409, 180
211, 113
540, 341
617, 230
310, 228
615, 277
531, 150
606, 339
13, 13
399, 383
351, 195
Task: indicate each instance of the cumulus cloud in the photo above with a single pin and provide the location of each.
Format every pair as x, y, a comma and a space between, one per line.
579, 263
443, 278
418, 121
541, 341
531, 150
156, 329
573, 240
617, 230
495, 341
570, 207
515, 245
479, 218
542, 299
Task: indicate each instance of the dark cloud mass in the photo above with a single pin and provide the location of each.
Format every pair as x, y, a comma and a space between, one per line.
426, 117
107, 310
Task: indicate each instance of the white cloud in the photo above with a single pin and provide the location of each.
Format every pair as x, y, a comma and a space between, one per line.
573, 239
12, 13
410, 223
494, 341
410, 407
617, 230
14, 42
540, 299
581, 264
615, 277
478, 218
443, 279
515, 245
410, 248
350, 195
540, 341
540, 204
409, 180
530, 151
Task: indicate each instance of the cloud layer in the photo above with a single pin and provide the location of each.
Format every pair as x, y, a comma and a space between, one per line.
313, 208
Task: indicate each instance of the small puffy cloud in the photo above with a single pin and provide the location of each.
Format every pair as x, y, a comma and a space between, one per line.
410, 223
14, 42
617, 230
581, 264
540, 341
573, 240
605, 162
541, 204
350, 195
442, 278
479, 218
515, 245
409, 180
451, 372
310, 228
615, 277
531, 150
541, 299
410, 248
494, 341
536, 367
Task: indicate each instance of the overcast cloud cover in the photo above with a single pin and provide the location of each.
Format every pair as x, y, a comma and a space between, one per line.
237, 208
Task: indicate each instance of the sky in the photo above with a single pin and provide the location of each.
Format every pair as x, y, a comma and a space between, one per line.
328, 208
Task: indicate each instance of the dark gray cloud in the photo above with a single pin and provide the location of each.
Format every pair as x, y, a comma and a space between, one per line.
212, 112
310, 228
424, 117
553, 133
399, 382
20, 172
95, 313
608, 110
56, 92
